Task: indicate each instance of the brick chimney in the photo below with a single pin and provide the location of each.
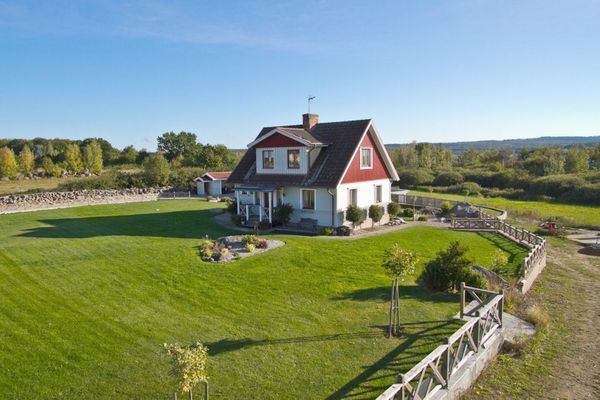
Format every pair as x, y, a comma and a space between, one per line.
309, 121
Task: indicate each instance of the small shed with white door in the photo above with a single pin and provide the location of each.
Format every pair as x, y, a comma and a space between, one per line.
212, 183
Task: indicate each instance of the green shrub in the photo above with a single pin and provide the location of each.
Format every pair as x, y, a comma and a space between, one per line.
327, 231
375, 212
250, 239
283, 213
354, 215
423, 218
408, 213
415, 177
446, 207
156, 169
451, 267
448, 178
231, 206
393, 209
50, 168
250, 247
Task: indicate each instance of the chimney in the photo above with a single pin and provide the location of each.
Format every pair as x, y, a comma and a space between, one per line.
309, 121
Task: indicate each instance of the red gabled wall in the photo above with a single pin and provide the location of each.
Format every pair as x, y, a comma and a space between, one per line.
379, 171
278, 140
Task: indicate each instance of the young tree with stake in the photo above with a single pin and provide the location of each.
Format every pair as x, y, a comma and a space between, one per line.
189, 366
398, 264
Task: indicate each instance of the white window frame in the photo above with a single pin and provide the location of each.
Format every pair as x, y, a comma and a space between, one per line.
350, 196
272, 157
370, 158
287, 154
314, 199
378, 199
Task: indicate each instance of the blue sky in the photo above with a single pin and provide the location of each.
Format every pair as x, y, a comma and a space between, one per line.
423, 70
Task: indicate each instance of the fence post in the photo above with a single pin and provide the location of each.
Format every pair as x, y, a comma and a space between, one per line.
501, 305
446, 367
462, 300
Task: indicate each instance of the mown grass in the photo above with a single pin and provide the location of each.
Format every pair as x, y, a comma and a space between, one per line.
88, 295
570, 213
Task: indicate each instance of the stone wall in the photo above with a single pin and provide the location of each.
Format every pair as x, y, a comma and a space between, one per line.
48, 200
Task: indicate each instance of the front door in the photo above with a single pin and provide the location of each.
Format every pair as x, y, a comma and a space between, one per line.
266, 199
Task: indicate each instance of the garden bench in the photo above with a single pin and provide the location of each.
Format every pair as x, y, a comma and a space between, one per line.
308, 223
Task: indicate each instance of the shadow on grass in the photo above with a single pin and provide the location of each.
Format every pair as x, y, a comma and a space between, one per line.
177, 224
516, 251
418, 341
382, 294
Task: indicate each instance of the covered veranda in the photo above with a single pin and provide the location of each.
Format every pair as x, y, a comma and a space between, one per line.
256, 203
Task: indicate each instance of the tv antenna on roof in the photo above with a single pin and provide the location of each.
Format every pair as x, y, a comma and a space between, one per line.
310, 98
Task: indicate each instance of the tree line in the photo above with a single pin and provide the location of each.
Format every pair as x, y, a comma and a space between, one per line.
569, 174
56, 157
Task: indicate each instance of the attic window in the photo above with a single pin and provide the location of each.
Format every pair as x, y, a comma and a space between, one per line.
293, 159
366, 158
268, 160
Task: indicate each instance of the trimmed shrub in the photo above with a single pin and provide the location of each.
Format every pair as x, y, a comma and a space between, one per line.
375, 212
262, 244
408, 213
394, 209
250, 239
250, 248
423, 218
354, 215
446, 207
327, 231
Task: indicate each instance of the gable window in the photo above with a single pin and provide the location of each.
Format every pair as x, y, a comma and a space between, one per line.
293, 159
378, 195
353, 197
308, 199
366, 157
268, 160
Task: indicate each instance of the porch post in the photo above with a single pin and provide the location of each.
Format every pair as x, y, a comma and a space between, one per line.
260, 207
237, 200
271, 207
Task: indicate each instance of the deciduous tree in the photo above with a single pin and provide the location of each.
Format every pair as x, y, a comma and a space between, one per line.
8, 163
26, 160
92, 157
73, 159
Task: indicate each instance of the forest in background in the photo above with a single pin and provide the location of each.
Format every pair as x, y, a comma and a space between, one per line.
570, 174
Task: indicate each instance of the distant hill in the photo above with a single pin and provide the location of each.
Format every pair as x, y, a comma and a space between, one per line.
516, 144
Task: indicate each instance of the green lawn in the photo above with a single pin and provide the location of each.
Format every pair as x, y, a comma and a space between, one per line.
88, 295
576, 214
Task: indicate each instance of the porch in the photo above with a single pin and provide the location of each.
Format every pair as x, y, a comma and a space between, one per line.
256, 203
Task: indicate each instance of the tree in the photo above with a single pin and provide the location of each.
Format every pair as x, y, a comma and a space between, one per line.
499, 261
26, 160
188, 365
398, 263
576, 160
375, 213
50, 168
156, 169
354, 215
177, 145
73, 158
8, 163
92, 157
128, 155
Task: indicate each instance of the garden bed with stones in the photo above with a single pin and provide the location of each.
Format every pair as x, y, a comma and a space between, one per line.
233, 248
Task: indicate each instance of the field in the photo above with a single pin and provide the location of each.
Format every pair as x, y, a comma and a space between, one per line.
88, 295
576, 214
45, 184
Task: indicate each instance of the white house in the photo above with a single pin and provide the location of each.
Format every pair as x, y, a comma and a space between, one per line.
211, 183
318, 168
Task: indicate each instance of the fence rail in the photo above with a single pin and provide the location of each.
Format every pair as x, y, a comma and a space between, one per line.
421, 201
435, 371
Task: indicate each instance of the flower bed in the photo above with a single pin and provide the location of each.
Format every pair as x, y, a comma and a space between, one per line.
231, 248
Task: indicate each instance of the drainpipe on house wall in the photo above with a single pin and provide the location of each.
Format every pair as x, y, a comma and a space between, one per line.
332, 207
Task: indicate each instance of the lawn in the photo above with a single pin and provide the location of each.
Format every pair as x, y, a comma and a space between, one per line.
571, 213
88, 295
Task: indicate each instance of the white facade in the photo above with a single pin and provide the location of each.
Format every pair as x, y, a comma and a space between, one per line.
280, 165
365, 196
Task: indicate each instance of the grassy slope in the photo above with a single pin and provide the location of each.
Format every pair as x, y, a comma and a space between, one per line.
581, 215
89, 294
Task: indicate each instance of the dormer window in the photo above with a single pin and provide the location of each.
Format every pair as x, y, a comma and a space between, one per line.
293, 159
268, 159
366, 158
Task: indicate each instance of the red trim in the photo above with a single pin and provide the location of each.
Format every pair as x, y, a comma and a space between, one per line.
278, 140
379, 170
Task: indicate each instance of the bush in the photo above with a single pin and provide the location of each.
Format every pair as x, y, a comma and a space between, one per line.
236, 219
354, 215
470, 188
326, 231
556, 185
448, 178
393, 209
446, 207
415, 177
250, 239
283, 213
183, 178
450, 268
156, 169
250, 248
408, 213
231, 206
262, 244
423, 218
375, 212
50, 168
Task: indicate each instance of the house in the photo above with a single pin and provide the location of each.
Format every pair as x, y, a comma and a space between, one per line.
212, 183
318, 168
